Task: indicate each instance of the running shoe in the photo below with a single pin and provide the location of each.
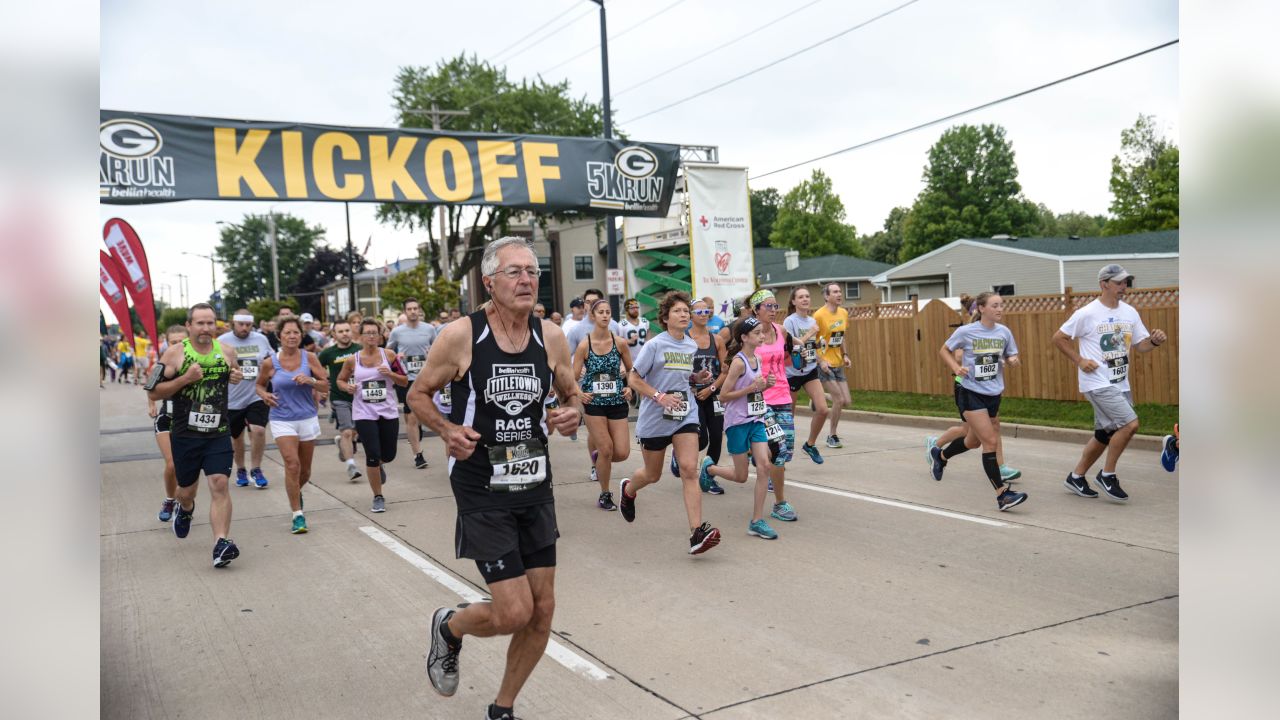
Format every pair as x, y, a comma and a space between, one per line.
833, 441
419, 461
761, 529
352, 473
1007, 473
166, 509
595, 478
783, 511
606, 501
1111, 486
299, 524
379, 504
714, 488
675, 466
242, 478
930, 441
442, 658
258, 478
182, 519
1009, 499
703, 539
1169, 456
626, 504
812, 452
704, 477
224, 551
1079, 486
936, 463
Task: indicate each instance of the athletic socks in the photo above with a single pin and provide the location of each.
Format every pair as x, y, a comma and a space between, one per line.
992, 468
1076, 477
448, 636
1106, 474
955, 448
297, 513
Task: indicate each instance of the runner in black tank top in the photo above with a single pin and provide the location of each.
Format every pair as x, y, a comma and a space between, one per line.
500, 364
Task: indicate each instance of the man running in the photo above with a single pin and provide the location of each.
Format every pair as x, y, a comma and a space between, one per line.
833, 321
333, 358
196, 374
411, 342
577, 314
247, 410
634, 328
500, 362
162, 412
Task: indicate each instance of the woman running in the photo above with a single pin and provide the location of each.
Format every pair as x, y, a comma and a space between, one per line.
985, 347
290, 384
601, 361
368, 376
775, 355
162, 412
802, 371
668, 416
745, 415
710, 357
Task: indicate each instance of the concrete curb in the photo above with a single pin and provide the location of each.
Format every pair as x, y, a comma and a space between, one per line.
1012, 430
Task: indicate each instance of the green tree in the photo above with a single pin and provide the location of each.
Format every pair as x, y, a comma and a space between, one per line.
169, 318
971, 190
323, 268
245, 253
266, 308
811, 220
1144, 181
433, 295
764, 213
495, 104
884, 245
1081, 224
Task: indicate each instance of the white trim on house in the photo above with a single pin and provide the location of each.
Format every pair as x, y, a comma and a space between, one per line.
884, 276
818, 280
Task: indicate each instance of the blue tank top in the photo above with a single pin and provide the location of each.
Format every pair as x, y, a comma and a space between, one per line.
295, 402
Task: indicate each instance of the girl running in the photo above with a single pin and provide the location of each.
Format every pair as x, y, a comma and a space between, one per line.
775, 355
710, 357
290, 384
744, 416
368, 376
802, 371
984, 348
669, 416
601, 362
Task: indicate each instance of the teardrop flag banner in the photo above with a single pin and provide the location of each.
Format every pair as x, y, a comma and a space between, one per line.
111, 284
126, 248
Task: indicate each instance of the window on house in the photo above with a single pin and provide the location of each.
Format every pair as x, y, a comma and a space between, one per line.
853, 291
1002, 290
584, 267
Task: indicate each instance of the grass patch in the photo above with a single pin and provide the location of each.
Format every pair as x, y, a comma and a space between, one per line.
1155, 419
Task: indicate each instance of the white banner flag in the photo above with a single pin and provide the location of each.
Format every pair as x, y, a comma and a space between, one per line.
720, 234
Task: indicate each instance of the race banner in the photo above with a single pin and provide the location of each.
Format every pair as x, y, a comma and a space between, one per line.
126, 248
149, 158
720, 234
111, 285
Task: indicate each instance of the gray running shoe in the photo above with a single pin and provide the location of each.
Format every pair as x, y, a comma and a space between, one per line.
352, 473
379, 504
442, 658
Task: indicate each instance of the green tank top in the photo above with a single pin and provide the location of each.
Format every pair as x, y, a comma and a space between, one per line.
200, 409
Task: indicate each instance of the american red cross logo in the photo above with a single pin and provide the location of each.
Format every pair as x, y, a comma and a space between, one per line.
703, 220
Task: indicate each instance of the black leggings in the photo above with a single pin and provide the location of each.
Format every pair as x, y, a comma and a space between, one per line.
711, 429
379, 439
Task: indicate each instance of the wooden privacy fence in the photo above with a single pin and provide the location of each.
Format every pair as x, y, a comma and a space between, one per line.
894, 346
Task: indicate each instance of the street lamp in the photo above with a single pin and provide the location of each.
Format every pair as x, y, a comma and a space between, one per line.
271, 232
213, 278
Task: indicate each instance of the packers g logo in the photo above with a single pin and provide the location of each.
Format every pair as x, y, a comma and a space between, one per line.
128, 139
636, 162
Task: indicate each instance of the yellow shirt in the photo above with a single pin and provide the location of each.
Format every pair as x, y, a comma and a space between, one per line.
142, 345
831, 330
122, 347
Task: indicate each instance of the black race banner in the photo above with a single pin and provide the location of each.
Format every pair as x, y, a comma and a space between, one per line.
149, 158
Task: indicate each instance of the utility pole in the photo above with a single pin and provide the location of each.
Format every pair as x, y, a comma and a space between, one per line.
436, 113
351, 261
275, 268
611, 230
182, 289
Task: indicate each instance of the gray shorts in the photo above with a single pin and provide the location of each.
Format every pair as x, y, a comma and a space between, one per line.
342, 409
836, 374
1112, 408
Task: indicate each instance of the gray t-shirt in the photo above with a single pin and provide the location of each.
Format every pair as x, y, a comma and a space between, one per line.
413, 343
798, 327
581, 330
983, 352
666, 363
250, 352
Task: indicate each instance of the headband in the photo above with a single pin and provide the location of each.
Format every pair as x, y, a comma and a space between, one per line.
758, 297
594, 303
750, 323
242, 318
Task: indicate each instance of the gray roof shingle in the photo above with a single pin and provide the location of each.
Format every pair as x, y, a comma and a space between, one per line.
1162, 241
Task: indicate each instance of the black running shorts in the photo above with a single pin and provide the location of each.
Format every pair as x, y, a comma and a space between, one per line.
192, 455
507, 534
612, 412
799, 381
968, 400
658, 444
255, 413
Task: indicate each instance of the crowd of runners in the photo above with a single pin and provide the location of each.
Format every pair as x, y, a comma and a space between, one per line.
493, 385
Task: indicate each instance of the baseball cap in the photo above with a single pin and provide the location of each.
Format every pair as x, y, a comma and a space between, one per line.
576, 302
306, 317
1114, 272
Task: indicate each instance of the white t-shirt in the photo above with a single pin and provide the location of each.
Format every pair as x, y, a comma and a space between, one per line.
634, 333
567, 324
1105, 336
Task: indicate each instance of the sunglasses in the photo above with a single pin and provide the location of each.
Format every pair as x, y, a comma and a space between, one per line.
701, 312
770, 306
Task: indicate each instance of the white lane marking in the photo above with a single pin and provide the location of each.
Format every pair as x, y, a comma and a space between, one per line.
895, 503
561, 654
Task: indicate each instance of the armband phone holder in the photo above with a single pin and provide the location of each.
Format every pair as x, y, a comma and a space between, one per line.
153, 379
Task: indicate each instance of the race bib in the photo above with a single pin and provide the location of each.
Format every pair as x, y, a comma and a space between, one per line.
985, 367
604, 384
446, 395
373, 391
773, 429
249, 367
755, 404
837, 339
1118, 369
680, 411
810, 351
414, 363
517, 467
204, 419
717, 407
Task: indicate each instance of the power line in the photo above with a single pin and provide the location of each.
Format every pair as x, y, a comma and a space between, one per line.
534, 31
717, 48
546, 37
562, 63
801, 51
975, 108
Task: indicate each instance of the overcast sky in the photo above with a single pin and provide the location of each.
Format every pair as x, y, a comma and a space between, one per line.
335, 62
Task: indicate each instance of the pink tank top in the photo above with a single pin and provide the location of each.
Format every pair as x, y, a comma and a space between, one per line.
773, 359
375, 395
